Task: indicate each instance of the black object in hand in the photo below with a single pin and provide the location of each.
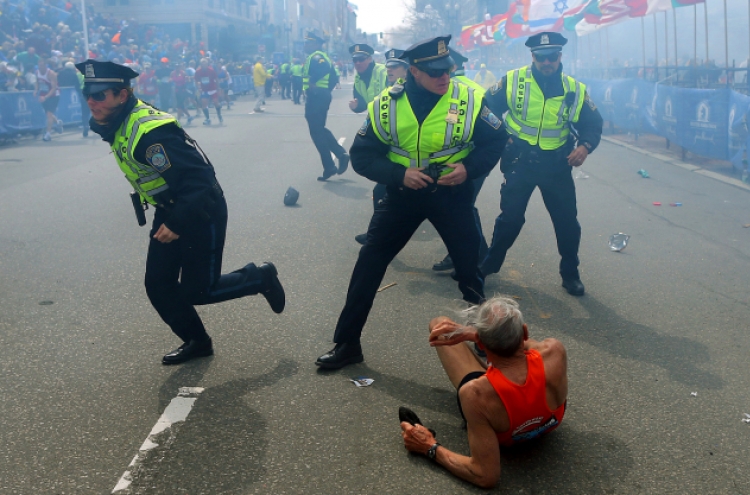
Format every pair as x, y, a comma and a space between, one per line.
138, 207
409, 416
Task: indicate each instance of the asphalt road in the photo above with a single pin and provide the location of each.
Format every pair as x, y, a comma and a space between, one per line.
658, 346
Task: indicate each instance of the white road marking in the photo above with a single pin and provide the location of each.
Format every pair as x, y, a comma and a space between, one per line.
176, 412
341, 143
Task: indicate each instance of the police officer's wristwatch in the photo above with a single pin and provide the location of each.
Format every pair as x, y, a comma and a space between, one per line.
587, 146
432, 452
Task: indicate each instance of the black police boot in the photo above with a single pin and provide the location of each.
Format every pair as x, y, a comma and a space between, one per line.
340, 356
574, 286
343, 163
189, 350
272, 289
444, 265
361, 238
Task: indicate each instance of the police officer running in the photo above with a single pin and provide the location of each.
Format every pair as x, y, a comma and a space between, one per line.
370, 78
426, 140
318, 80
296, 71
553, 127
171, 174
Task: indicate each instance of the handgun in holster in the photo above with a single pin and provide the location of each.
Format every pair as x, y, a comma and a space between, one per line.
434, 170
139, 207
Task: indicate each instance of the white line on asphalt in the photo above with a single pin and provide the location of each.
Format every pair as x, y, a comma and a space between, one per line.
341, 143
176, 412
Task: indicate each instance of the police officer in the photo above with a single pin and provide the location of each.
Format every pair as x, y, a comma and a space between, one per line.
554, 126
458, 74
370, 78
296, 71
318, 80
285, 80
172, 174
396, 69
427, 179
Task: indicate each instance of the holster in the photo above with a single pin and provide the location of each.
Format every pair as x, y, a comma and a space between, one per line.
139, 207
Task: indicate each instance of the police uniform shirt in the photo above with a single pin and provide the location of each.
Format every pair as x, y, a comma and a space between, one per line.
590, 122
366, 77
318, 69
369, 154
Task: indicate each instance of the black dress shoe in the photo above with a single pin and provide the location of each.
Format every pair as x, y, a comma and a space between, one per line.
340, 356
327, 175
189, 350
574, 286
272, 289
361, 238
444, 265
343, 163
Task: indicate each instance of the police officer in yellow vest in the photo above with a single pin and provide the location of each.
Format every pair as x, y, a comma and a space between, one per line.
370, 78
459, 75
172, 175
296, 71
318, 80
553, 127
426, 140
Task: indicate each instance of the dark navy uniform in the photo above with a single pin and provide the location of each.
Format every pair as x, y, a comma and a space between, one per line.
400, 213
527, 167
171, 173
315, 82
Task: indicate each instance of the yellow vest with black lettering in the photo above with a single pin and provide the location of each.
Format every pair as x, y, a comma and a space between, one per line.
146, 180
535, 119
378, 82
320, 83
443, 137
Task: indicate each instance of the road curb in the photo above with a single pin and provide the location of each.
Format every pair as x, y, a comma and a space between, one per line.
686, 166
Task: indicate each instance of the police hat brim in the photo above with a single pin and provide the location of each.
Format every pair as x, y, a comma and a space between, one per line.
440, 63
91, 88
547, 50
396, 62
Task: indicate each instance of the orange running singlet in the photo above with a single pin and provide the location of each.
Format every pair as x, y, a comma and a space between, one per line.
526, 404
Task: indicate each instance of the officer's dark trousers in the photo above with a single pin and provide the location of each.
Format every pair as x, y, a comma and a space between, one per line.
555, 181
296, 89
316, 114
395, 220
478, 183
187, 272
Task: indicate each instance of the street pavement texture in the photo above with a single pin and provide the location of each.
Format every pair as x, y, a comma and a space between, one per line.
658, 346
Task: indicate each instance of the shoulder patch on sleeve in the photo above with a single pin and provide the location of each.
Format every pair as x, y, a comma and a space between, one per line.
490, 118
589, 102
497, 87
156, 156
363, 130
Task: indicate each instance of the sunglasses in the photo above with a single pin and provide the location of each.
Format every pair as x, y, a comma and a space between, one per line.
552, 57
435, 73
99, 96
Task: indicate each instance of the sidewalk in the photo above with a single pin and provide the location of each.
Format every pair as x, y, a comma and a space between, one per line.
655, 147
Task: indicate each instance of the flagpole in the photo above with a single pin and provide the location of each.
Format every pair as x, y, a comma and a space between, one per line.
656, 50
643, 44
666, 45
726, 40
705, 18
606, 41
85, 31
674, 21
695, 34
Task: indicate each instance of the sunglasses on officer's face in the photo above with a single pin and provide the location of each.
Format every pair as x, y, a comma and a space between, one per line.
552, 57
436, 73
98, 96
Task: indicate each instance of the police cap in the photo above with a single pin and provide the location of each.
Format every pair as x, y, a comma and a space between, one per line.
291, 196
310, 36
361, 51
430, 54
393, 58
458, 58
98, 76
546, 42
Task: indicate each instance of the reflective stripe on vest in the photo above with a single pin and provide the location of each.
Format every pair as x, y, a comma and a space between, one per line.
144, 178
535, 119
323, 81
378, 82
439, 139
478, 89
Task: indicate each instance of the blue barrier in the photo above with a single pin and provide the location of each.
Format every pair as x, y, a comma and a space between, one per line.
707, 122
21, 112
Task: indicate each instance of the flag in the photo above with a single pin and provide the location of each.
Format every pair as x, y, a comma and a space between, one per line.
603, 13
483, 34
528, 17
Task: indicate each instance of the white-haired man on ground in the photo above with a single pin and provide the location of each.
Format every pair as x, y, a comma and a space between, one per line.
519, 395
